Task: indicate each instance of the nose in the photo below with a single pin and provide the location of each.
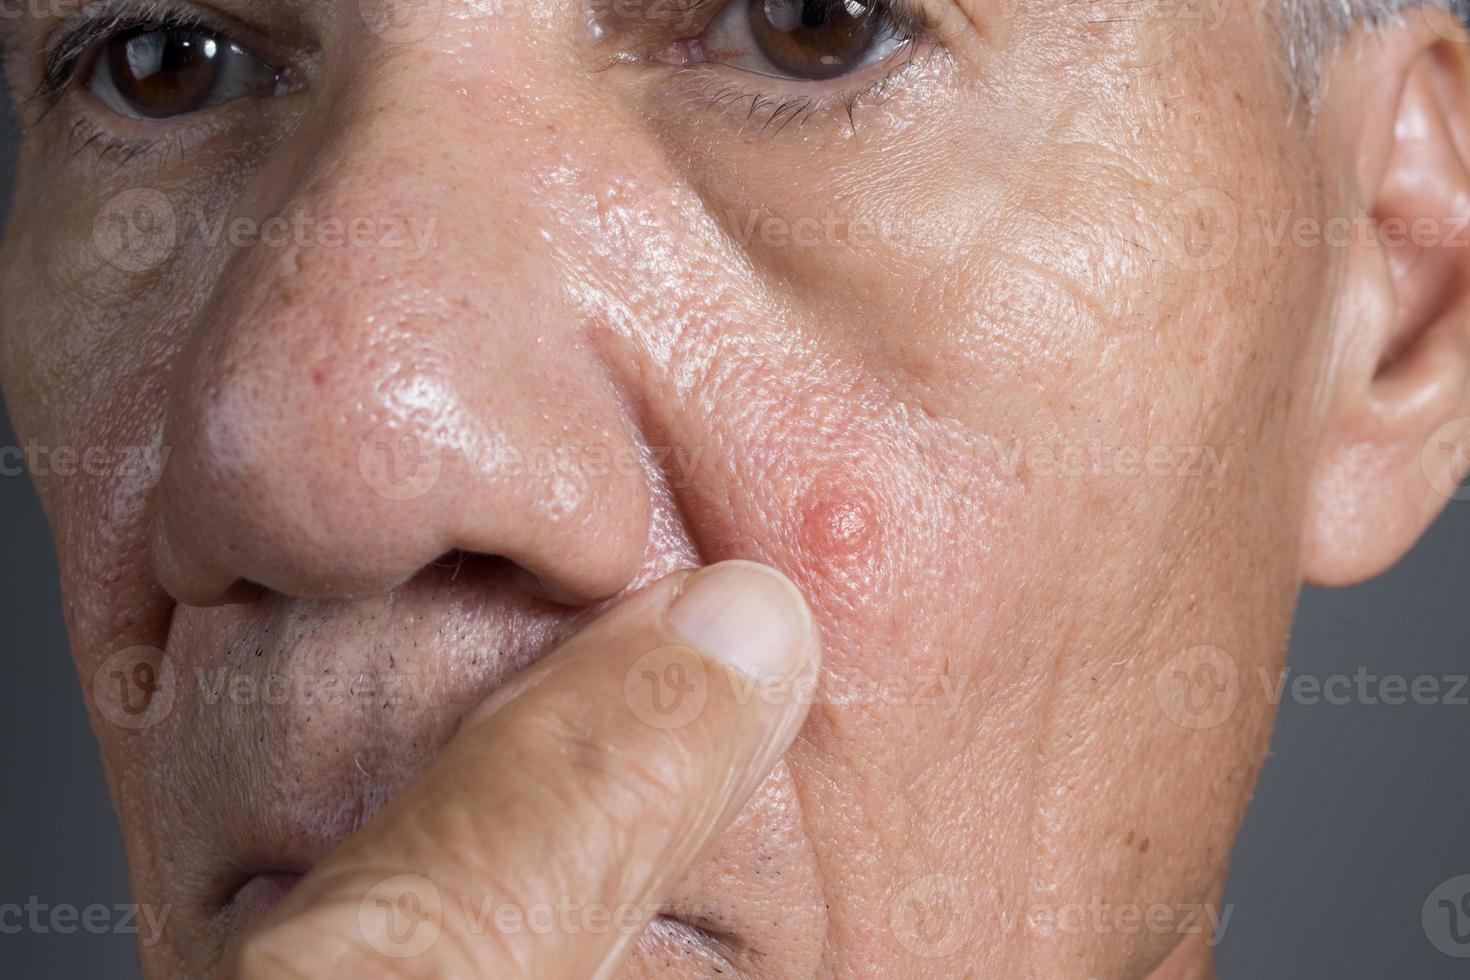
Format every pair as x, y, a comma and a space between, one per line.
353, 406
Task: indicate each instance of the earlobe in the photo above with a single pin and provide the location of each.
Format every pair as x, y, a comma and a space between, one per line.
1400, 385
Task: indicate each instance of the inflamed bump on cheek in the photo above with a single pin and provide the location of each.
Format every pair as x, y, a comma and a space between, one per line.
839, 525
838, 528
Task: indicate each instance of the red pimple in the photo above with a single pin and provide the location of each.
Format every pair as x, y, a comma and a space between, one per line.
839, 524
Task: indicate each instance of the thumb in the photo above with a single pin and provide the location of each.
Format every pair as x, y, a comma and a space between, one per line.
544, 836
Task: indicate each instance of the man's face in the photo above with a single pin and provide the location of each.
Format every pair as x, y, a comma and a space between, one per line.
399, 368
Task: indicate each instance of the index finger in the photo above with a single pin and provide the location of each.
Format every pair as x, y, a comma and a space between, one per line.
592, 780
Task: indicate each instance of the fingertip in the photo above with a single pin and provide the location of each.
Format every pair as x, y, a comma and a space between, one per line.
749, 616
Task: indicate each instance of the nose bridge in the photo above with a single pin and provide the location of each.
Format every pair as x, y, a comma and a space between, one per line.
393, 375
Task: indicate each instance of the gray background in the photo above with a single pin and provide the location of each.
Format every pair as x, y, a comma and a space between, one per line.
1361, 810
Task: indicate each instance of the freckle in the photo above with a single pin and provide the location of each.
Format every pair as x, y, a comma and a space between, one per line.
1129, 838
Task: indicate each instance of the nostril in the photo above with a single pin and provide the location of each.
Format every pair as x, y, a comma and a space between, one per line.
541, 588
511, 574
240, 592
190, 582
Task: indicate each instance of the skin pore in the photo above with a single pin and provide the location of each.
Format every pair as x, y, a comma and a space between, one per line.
991, 346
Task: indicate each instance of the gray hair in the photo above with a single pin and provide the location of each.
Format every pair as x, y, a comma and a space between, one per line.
1311, 30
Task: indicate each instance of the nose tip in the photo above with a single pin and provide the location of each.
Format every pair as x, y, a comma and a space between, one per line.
329, 438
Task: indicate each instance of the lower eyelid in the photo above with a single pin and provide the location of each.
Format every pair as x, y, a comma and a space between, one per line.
86, 136
103, 135
770, 105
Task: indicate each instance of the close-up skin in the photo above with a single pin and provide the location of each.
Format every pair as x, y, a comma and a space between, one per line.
393, 364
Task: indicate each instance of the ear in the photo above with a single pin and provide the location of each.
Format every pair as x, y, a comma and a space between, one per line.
1395, 438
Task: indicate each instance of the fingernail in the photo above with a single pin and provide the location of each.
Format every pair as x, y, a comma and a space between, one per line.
746, 614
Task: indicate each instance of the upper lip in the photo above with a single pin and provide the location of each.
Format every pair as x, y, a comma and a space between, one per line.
343, 775
298, 779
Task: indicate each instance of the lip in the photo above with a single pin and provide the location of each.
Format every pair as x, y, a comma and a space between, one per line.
268, 842
670, 931
261, 892
258, 895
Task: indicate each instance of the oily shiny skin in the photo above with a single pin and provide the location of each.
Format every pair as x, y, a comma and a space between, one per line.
843, 409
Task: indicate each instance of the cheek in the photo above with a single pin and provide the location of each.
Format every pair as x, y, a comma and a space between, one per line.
868, 530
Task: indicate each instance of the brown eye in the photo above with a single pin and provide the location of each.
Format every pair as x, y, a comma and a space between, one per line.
163, 72
157, 72
808, 40
815, 39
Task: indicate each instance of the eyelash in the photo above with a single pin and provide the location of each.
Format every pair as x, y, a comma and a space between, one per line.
64, 56
716, 87
67, 61
769, 115
765, 113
